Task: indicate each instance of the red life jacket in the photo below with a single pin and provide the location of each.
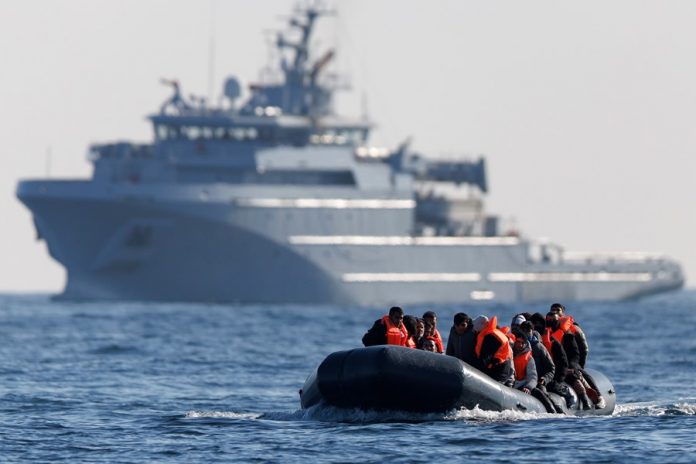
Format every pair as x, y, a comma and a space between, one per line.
546, 339
504, 352
572, 328
395, 335
411, 343
521, 361
564, 325
438, 341
508, 333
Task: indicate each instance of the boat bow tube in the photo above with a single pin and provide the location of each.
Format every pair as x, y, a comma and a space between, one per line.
402, 379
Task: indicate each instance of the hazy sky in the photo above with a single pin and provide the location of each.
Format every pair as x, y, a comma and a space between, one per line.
585, 110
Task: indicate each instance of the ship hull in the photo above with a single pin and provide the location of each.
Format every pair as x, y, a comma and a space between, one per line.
134, 245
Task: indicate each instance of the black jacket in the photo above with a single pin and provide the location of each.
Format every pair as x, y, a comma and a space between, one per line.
583, 347
462, 346
377, 335
571, 349
560, 360
545, 367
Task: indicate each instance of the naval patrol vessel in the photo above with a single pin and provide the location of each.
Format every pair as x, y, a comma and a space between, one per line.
275, 198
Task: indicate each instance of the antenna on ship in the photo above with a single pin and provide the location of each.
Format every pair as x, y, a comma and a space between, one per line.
211, 52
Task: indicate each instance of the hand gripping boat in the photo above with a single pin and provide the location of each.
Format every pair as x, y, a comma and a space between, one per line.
402, 379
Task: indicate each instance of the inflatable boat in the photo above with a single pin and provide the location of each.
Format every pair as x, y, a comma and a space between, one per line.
402, 379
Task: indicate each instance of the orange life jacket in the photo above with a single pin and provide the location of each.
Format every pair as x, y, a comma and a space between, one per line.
564, 325
572, 328
546, 339
504, 352
521, 362
508, 333
438, 341
396, 335
411, 343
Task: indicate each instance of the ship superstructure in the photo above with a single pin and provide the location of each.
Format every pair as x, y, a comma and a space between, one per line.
278, 199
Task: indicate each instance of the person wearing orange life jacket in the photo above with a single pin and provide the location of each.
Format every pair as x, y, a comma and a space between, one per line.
578, 333
560, 360
583, 351
560, 331
525, 366
545, 368
389, 330
410, 322
431, 317
493, 351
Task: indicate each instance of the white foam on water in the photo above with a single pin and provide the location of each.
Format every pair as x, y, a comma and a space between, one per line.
477, 414
327, 413
682, 407
221, 415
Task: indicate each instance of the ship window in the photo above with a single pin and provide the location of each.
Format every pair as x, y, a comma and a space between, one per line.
196, 174
194, 132
161, 131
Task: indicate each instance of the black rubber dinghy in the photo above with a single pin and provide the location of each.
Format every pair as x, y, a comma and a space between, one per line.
403, 379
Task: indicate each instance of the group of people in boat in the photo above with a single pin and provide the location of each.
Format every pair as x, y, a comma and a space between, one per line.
535, 354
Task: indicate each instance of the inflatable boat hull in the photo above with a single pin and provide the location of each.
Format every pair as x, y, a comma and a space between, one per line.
402, 379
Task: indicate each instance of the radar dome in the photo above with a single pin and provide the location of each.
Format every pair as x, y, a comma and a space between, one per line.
232, 88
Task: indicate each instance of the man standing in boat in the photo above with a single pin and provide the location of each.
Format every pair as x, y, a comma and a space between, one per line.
389, 330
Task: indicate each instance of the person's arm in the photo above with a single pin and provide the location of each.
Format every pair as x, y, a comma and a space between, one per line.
530, 376
560, 360
546, 369
583, 346
572, 351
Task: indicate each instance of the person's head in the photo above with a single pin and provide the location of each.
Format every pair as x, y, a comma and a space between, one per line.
552, 320
517, 320
462, 323
557, 308
396, 315
429, 345
428, 329
431, 317
526, 328
420, 327
479, 323
521, 344
410, 324
539, 322
527, 315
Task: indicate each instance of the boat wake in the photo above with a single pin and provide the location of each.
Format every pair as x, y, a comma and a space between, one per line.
325, 413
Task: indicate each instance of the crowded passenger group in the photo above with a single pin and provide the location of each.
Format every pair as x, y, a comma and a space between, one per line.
535, 354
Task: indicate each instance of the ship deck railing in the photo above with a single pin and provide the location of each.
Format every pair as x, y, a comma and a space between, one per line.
581, 257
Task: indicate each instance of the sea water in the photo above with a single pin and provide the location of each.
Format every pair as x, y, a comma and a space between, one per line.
162, 382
